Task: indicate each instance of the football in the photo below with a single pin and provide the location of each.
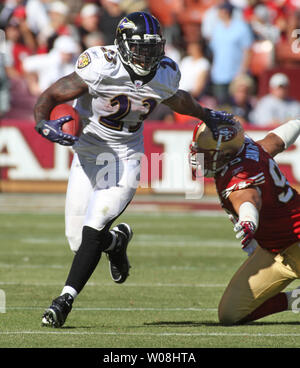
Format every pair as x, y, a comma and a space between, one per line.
73, 126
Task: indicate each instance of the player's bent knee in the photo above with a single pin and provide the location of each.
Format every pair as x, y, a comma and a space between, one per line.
228, 314
227, 319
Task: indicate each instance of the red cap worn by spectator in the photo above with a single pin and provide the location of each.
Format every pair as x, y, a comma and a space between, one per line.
19, 12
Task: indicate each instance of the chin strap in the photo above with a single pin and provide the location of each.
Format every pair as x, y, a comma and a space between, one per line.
215, 156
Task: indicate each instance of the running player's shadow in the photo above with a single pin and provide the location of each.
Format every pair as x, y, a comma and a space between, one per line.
214, 323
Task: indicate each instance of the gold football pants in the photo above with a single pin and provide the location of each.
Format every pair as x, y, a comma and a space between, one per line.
261, 276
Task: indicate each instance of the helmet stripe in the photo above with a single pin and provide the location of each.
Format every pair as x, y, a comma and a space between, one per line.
147, 23
150, 27
153, 25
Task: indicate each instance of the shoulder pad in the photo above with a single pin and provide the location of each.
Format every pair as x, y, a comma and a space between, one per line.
167, 62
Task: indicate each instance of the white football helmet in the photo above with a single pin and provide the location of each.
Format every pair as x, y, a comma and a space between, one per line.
217, 153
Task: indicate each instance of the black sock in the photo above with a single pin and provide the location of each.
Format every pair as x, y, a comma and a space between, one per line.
88, 256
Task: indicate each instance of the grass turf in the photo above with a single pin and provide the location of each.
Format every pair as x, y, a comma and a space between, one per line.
181, 264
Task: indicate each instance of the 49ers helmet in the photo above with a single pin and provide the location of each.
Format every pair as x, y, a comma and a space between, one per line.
217, 153
140, 42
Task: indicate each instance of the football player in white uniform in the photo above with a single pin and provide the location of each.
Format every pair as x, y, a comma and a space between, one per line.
115, 88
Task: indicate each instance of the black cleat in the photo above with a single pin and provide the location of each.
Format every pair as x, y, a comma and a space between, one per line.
57, 313
118, 261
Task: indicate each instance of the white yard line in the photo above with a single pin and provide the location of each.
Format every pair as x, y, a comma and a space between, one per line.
161, 334
204, 285
141, 309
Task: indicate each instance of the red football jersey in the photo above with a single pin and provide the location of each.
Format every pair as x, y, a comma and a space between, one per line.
279, 217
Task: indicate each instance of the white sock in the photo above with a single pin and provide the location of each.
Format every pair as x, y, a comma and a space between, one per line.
69, 290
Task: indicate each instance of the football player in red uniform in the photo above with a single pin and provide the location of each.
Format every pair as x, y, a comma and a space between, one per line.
266, 212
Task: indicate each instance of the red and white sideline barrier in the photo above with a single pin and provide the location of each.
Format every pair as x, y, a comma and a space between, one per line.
29, 163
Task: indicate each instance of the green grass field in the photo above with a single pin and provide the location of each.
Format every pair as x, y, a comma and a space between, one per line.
181, 264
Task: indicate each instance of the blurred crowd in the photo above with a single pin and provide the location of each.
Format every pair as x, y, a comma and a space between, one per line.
241, 56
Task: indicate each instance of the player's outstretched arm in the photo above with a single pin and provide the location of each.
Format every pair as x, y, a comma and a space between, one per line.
246, 203
281, 137
183, 103
65, 89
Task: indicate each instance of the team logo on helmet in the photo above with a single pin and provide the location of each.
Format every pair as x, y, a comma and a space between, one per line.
228, 133
125, 23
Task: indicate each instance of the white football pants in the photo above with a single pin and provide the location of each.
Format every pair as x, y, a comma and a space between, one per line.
97, 194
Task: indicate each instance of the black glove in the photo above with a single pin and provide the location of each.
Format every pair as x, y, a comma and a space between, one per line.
214, 118
51, 130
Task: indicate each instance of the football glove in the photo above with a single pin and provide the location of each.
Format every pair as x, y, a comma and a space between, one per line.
245, 232
51, 130
214, 118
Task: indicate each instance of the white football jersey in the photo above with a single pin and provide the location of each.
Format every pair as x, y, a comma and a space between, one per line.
113, 110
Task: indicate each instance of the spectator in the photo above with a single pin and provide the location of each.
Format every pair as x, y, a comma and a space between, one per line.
278, 10
18, 46
288, 48
262, 26
89, 22
111, 14
276, 107
7, 10
211, 18
45, 69
241, 4
57, 26
241, 100
230, 45
194, 69
20, 43
94, 39
37, 14
4, 87
130, 6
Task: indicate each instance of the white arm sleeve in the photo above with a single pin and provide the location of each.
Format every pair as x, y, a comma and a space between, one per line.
288, 132
248, 212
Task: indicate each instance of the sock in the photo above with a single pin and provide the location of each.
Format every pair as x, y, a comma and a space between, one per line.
69, 290
87, 256
278, 303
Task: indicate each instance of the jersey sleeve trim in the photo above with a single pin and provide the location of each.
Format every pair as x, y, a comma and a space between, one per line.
252, 181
